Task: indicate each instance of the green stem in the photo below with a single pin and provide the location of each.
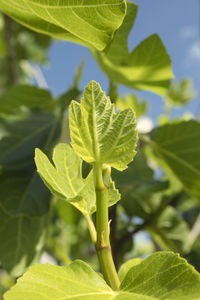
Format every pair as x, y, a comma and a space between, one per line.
91, 227
103, 241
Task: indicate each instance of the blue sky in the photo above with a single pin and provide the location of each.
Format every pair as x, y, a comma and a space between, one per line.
176, 22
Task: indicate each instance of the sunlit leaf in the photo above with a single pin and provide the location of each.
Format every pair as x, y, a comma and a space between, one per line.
165, 276
88, 22
65, 179
162, 276
99, 134
125, 267
179, 146
147, 67
133, 101
181, 92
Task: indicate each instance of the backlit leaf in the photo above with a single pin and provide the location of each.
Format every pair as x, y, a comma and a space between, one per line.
99, 134
147, 67
165, 276
181, 92
179, 146
65, 179
162, 276
88, 22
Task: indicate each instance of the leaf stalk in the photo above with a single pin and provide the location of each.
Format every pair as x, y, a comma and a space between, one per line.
103, 240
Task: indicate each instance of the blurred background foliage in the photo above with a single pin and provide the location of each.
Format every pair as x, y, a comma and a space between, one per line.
160, 191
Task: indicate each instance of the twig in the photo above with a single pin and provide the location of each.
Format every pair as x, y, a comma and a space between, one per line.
11, 58
195, 231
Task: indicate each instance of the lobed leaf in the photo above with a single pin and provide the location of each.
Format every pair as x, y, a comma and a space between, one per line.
178, 145
99, 134
65, 179
162, 276
88, 22
147, 67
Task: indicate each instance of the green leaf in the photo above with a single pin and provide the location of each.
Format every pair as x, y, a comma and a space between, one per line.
147, 67
179, 146
20, 135
139, 189
170, 231
21, 240
125, 267
90, 23
24, 206
65, 179
19, 96
165, 276
23, 192
181, 92
99, 134
162, 276
133, 101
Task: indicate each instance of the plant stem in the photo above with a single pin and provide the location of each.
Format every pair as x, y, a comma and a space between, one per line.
11, 58
103, 241
92, 230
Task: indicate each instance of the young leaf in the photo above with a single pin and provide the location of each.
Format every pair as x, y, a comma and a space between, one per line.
162, 276
99, 134
147, 67
90, 23
65, 179
179, 146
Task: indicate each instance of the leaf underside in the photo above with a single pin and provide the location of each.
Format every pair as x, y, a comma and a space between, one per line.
162, 276
88, 22
66, 182
179, 146
98, 134
147, 67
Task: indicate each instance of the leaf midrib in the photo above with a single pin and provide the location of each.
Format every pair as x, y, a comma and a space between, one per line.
119, 3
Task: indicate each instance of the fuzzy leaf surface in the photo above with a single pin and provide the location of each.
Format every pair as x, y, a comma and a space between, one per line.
179, 146
64, 179
147, 67
162, 276
99, 134
88, 22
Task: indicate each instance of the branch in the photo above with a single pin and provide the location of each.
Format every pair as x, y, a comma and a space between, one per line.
195, 231
11, 58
